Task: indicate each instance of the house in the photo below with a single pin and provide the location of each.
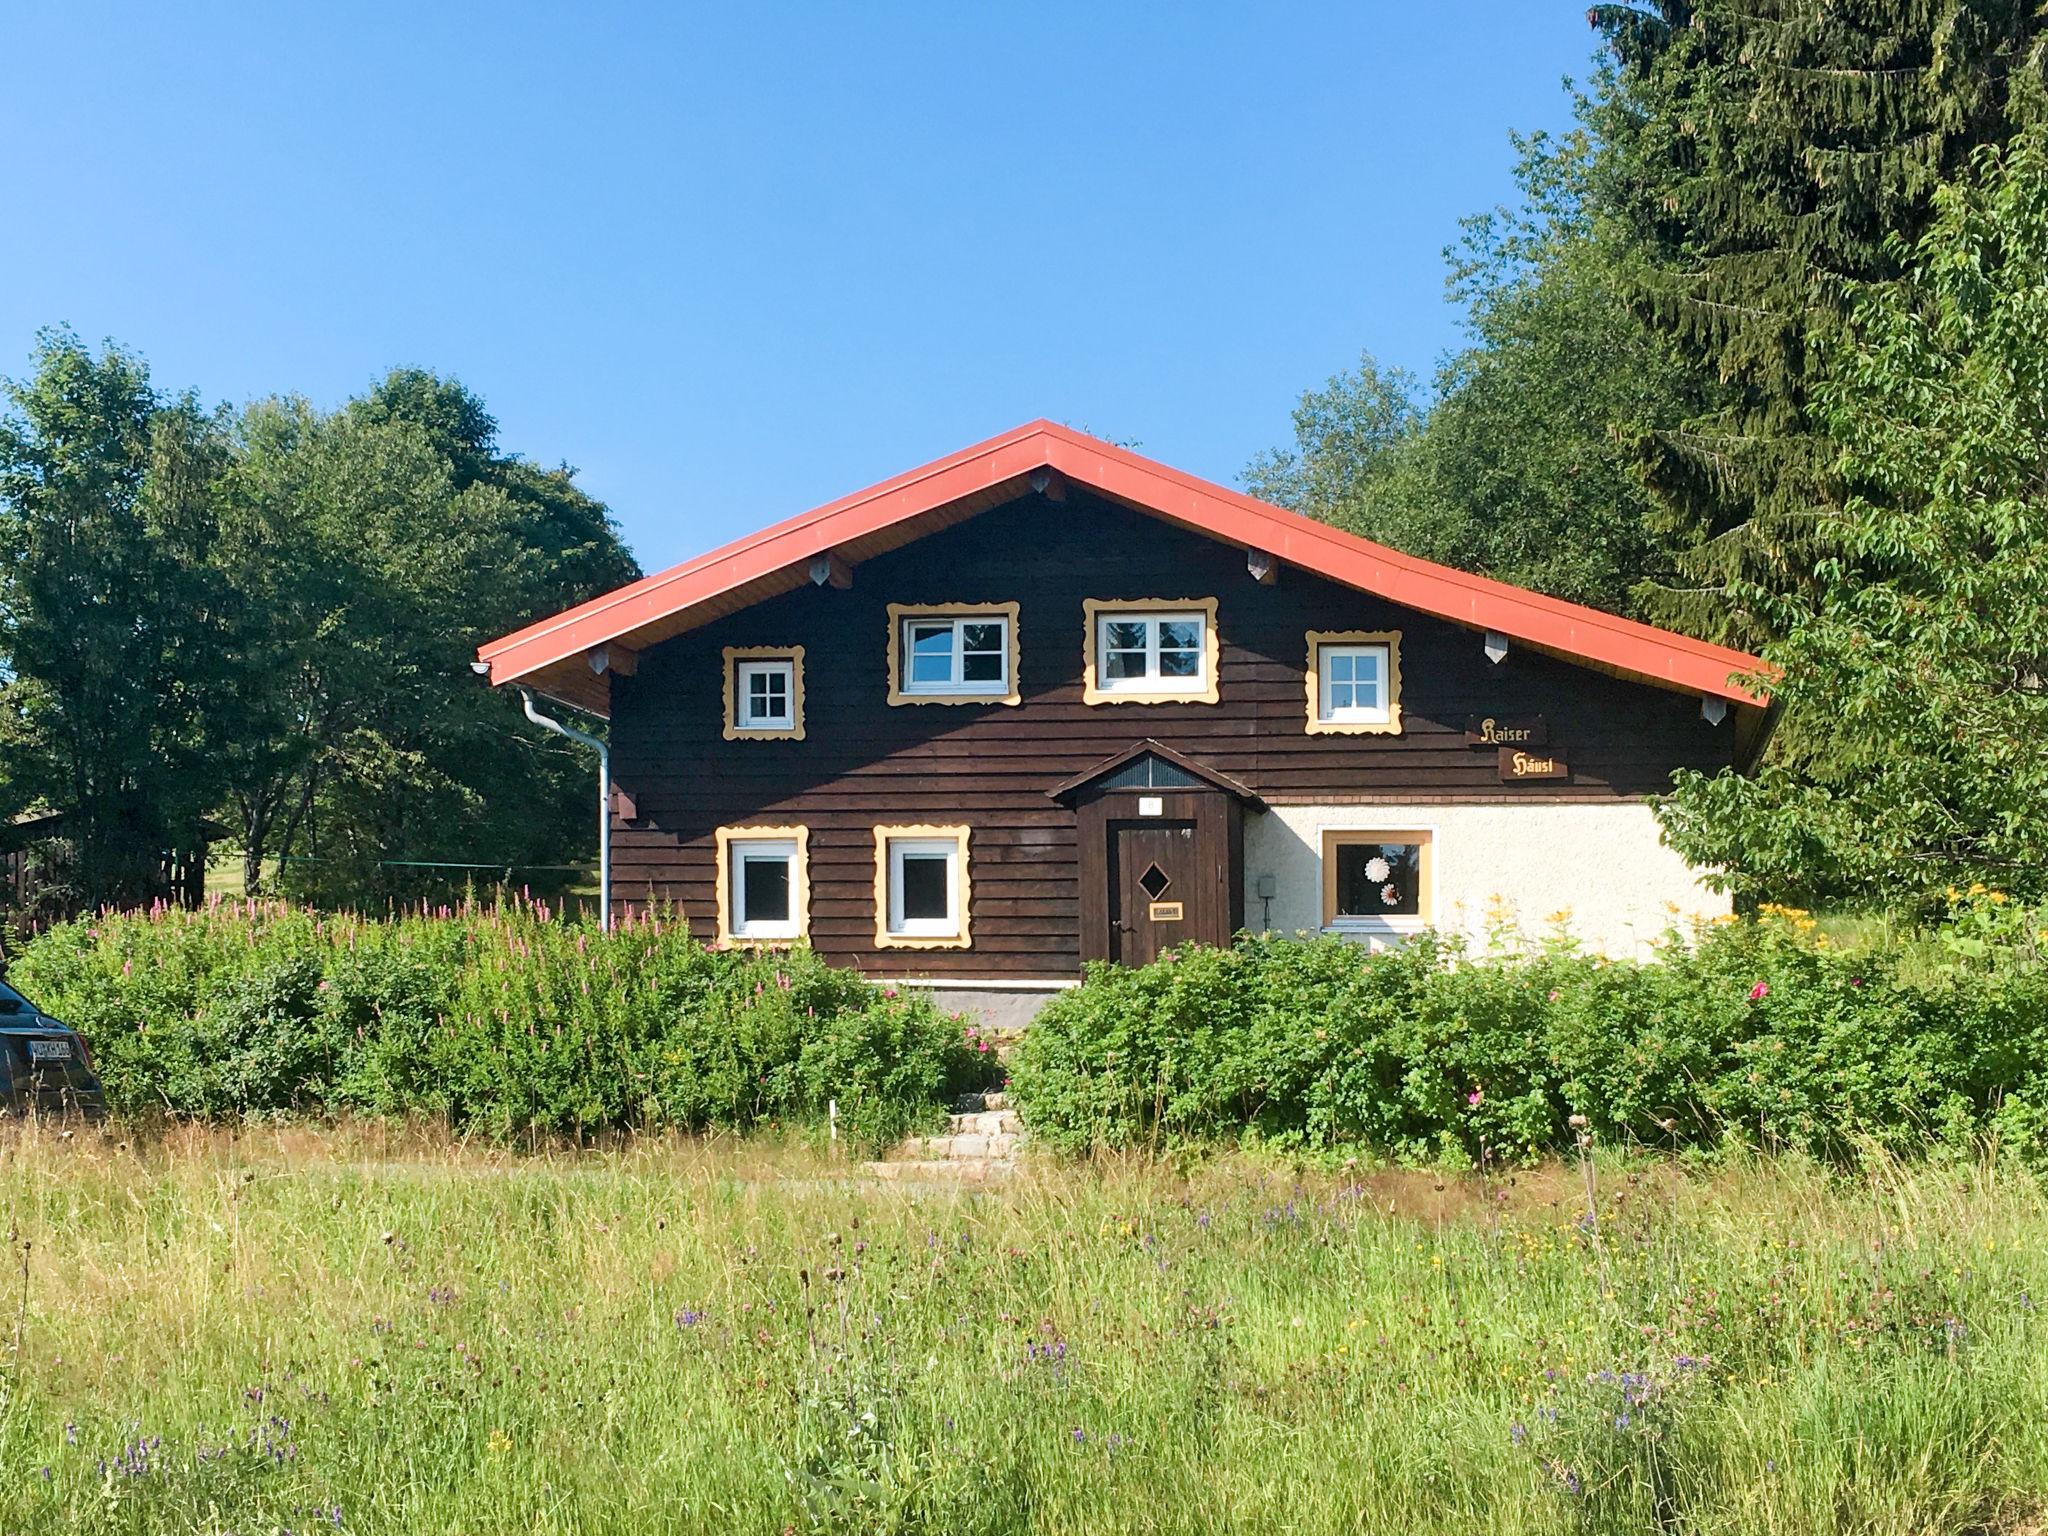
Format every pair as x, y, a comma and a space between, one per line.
1046, 701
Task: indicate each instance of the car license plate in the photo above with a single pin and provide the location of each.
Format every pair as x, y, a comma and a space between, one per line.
49, 1050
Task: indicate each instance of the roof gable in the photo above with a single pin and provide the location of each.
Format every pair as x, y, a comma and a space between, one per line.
569, 655
1165, 769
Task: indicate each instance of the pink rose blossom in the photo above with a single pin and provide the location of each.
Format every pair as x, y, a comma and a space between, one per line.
1759, 992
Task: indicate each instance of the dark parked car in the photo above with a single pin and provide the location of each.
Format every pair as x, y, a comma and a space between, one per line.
45, 1067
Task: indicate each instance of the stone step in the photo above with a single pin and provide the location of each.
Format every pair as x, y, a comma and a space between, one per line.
976, 1103
986, 1122
964, 1145
943, 1171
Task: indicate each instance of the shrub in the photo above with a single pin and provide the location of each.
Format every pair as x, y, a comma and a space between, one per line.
496, 1019
1754, 1032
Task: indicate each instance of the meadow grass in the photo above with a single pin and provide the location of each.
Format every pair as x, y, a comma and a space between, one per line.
381, 1330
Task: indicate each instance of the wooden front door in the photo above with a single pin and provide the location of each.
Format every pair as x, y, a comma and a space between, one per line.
1161, 855
1160, 895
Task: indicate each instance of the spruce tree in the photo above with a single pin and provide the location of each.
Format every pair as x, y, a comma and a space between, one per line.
1770, 157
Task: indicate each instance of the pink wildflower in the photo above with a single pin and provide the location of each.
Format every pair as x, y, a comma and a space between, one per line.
1759, 992
1472, 1099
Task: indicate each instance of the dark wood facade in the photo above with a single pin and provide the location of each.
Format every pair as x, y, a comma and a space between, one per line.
862, 762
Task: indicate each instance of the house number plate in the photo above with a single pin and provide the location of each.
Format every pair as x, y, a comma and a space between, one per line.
1164, 911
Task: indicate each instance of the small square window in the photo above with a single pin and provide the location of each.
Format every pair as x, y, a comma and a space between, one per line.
1376, 880
1354, 682
764, 694
1139, 653
961, 655
763, 885
921, 887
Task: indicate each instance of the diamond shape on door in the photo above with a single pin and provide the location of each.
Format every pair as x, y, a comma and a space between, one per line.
1155, 881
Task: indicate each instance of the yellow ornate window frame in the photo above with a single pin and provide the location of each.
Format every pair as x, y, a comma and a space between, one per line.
898, 612
884, 939
799, 885
1317, 639
734, 655
1094, 609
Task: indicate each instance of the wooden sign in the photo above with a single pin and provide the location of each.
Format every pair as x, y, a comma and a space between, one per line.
1506, 731
1515, 764
1164, 912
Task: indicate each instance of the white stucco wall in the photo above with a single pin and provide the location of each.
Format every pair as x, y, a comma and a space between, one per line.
1606, 863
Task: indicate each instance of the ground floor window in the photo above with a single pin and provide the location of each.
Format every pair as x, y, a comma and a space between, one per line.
763, 885
921, 887
1376, 879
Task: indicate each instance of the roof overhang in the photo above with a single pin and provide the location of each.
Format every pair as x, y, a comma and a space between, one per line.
1066, 789
573, 655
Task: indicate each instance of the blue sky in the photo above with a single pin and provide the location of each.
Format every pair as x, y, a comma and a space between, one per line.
734, 260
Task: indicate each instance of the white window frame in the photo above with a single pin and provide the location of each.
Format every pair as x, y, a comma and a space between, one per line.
743, 678
892, 929
1353, 714
905, 927
744, 662
906, 618
739, 846
1326, 644
1098, 687
957, 683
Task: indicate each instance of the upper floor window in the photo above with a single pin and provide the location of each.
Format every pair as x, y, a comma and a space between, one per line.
959, 653
1354, 681
764, 693
1150, 651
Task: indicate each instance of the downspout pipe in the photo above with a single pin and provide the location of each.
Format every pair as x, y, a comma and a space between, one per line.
604, 802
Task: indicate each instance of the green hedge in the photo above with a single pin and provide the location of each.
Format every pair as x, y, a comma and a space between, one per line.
500, 1020
1756, 1032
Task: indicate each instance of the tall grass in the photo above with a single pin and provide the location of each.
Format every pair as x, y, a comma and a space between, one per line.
382, 1331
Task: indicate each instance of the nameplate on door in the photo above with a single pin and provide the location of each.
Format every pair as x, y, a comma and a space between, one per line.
1164, 912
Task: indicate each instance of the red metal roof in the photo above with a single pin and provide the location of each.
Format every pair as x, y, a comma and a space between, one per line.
551, 655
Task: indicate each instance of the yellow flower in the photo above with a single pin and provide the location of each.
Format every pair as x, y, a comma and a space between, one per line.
500, 1442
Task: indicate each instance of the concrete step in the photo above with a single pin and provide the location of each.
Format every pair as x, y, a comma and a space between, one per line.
963, 1146
985, 1122
943, 1171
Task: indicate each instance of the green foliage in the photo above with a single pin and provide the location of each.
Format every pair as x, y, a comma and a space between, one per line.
500, 1020
1515, 471
269, 618
1926, 652
108, 610
1753, 1033
355, 734
1765, 157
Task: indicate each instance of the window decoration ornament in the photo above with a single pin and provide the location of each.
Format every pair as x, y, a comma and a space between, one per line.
953, 653
1149, 651
1376, 880
1354, 682
764, 693
923, 890
763, 885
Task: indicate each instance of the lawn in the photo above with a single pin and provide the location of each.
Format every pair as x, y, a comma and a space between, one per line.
383, 1331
